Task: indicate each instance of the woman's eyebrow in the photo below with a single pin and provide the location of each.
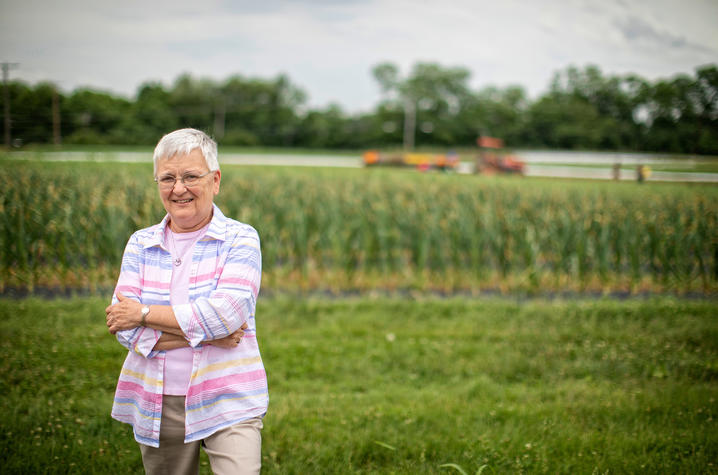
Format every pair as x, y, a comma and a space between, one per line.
183, 173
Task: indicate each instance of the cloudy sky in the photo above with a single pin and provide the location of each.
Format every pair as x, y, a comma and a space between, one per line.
328, 47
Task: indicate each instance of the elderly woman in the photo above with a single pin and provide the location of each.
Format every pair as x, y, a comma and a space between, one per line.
184, 308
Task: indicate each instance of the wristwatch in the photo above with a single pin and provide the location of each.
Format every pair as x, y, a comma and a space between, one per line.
145, 310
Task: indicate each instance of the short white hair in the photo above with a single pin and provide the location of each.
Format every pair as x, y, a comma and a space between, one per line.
182, 142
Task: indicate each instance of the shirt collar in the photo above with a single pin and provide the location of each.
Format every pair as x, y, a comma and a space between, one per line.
217, 228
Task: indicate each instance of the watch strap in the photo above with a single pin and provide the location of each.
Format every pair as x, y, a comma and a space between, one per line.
145, 312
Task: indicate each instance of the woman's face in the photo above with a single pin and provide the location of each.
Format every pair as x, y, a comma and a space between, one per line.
190, 208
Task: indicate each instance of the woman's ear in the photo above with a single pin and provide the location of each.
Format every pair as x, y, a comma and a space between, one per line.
217, 178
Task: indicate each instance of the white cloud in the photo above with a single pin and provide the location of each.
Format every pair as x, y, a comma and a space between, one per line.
328, 47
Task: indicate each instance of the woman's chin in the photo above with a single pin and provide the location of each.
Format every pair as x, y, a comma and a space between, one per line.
186, 221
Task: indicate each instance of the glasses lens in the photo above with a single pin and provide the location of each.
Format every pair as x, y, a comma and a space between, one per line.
166, 181
190, 180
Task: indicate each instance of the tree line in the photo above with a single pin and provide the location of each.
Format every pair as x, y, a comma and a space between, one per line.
431, 105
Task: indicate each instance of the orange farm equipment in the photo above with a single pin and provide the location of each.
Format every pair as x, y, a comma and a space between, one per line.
493, 158
420, 161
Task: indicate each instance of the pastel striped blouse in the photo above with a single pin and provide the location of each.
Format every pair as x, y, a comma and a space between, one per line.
227, 385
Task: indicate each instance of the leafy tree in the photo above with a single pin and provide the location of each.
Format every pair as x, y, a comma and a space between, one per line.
91, 116
600, 112
259, 111
30, 112
499, 113
327, 128
564, 122
152, 116
429, 95
706, 95
431, 105
193, 102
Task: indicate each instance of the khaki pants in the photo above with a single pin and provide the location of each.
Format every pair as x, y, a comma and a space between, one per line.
233, 450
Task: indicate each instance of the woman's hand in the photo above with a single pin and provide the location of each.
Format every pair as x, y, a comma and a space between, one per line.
123, 315
230, 341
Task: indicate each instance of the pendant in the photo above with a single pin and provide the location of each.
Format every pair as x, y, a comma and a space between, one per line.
178, 261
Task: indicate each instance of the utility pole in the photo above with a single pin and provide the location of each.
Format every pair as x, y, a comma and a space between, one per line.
56, 137
409, 123
6, 97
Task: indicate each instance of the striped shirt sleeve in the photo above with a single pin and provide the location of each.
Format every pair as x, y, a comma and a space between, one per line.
141, 340
234, 299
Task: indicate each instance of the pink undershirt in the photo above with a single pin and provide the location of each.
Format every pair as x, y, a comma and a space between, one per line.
178, 363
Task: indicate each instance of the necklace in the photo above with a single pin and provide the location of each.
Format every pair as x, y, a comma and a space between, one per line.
173, 251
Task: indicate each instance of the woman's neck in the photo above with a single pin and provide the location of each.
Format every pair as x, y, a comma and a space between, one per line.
175, 228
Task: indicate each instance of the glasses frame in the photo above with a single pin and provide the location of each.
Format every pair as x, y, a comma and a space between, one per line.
181, 179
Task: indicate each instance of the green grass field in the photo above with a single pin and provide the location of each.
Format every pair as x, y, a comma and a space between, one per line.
400, 386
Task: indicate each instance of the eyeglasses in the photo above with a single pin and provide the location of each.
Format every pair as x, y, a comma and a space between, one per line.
188, 179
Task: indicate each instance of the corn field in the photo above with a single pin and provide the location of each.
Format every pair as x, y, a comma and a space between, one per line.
64, 226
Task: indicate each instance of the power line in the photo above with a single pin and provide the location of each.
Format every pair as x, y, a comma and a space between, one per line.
6, 67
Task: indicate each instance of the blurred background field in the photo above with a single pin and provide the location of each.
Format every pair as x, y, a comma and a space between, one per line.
366, 385
340, 231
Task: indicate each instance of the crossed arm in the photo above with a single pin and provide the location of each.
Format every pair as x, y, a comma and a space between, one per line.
127, 314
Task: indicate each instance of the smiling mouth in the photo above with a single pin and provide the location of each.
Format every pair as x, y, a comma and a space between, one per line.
183, 201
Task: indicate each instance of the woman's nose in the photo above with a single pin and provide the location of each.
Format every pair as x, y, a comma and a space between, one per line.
179, 183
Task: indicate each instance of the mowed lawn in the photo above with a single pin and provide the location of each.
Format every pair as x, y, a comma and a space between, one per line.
400, 385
